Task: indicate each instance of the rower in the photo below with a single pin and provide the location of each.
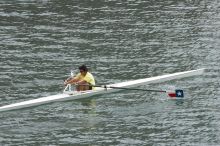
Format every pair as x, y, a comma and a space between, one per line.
84, 80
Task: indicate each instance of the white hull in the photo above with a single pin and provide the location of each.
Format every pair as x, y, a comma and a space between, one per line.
78, 95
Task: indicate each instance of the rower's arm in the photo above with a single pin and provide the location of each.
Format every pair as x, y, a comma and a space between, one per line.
81, 82
71, 81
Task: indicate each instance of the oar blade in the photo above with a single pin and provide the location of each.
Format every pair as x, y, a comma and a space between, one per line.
177, 93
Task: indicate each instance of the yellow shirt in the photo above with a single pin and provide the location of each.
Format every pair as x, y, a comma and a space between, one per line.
88, 78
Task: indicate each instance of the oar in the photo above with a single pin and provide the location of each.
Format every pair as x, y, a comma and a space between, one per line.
69, 85
176, 93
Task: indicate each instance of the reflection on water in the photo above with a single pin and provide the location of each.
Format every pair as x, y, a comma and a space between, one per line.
91, 104
179, 101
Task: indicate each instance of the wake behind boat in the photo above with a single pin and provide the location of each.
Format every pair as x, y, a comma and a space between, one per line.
68, 94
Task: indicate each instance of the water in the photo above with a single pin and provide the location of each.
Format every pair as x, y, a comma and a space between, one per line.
41, 41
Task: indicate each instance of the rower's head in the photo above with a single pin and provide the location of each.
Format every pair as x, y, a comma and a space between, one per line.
83, 69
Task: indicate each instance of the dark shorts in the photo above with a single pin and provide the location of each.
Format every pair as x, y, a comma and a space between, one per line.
90, 87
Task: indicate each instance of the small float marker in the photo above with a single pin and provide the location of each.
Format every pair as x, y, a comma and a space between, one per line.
177, 93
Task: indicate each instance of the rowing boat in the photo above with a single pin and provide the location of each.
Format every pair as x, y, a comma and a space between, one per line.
72, 95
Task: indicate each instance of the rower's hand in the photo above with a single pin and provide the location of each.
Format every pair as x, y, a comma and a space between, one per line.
76, 83
65, 82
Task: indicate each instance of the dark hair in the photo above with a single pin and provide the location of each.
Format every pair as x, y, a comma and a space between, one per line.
83, 67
